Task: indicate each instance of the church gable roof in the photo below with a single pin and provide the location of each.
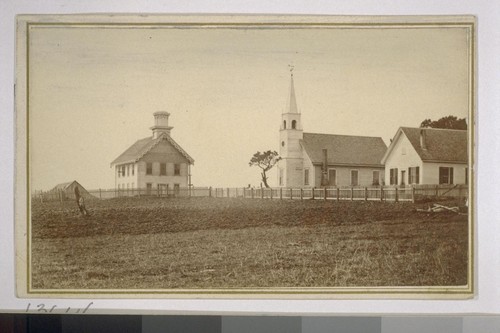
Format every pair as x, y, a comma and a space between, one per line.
141, 147
442, 145
344, 149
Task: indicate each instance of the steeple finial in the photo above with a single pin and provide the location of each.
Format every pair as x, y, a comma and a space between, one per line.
291, 106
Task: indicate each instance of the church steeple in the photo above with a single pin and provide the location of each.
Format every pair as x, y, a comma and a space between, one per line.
291, 165
291, 106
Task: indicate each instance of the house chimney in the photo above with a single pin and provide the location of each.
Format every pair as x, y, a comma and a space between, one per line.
161, 124
423, 143
324, 174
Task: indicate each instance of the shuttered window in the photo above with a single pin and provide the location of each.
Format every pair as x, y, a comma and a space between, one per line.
445, 175
393, 176
414, 175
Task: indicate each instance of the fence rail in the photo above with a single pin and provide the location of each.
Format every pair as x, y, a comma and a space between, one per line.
381, 193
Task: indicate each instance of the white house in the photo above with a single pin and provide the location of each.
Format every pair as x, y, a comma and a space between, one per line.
427, 156
156, 162
314, 160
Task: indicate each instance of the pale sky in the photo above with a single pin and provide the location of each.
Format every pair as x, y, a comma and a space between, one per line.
93, 92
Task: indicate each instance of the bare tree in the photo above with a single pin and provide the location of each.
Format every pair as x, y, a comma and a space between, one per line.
265, 160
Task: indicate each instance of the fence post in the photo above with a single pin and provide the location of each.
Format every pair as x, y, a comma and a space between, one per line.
100, 196
281, 193
312, 193
413, 194
396, 196
253, 192
381, 193
352, 193
325, 193
271, 189
366, 193
262, 193
302, 193
210, 192
338, 194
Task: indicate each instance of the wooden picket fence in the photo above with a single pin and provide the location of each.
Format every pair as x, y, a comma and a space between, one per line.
379, 193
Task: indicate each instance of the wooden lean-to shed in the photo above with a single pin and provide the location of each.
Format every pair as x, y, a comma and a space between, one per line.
67, 191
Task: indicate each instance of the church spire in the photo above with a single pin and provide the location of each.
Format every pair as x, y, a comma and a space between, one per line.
291, 106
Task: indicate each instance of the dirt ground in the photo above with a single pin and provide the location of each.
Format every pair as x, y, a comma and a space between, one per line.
159, 243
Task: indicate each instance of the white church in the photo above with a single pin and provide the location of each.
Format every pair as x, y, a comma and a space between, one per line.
315, 160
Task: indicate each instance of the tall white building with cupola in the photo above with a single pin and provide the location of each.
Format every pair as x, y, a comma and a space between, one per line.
156, 164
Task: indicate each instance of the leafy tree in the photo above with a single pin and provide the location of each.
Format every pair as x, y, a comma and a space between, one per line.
450, 122
265, 160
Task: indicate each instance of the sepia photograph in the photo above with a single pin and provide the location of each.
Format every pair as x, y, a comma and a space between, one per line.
245, 156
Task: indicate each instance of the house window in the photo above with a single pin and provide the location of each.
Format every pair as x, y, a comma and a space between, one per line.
281, 177
414, 175
284, 124
123, 170
163, 169
354, 177
294, 124
133, 168
332, 177
376, 177
393, 173
403, 177
306, 176
445, 175
149, 168
119, 171
177, 169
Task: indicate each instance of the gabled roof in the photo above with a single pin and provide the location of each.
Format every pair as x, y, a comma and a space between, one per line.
442, 145
141, 147
344, 149
63, 186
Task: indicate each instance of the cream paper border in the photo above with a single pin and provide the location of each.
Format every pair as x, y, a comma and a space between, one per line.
22, 171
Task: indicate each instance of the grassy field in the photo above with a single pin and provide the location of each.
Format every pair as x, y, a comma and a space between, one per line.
224, 243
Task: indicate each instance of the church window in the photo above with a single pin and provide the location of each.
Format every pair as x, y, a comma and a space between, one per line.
294, 124
354, 177
332, 177
284, 124
376, 177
